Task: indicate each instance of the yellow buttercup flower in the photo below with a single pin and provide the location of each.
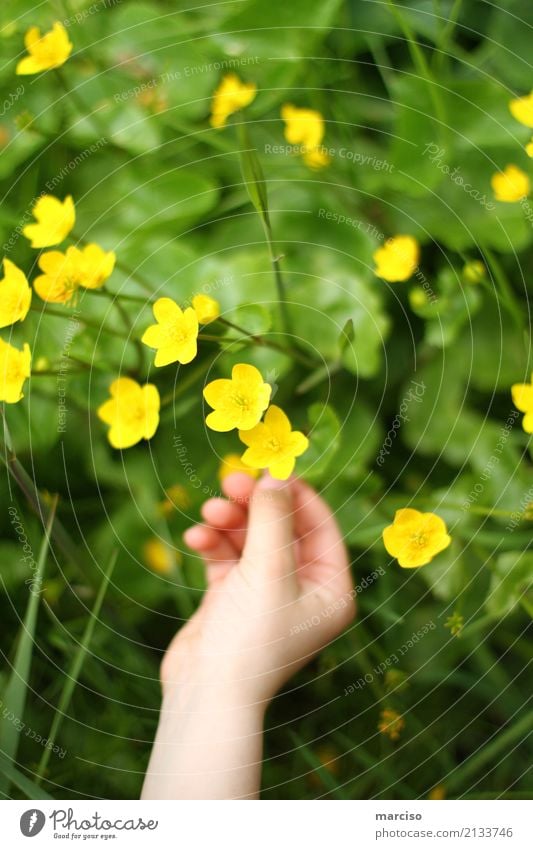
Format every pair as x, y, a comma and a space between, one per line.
523, 400
239, 402
415, 538
58, 284
15, 295
397, 259
391, 723
206, 308
232, 463
474, 271
176, 498
230, 96
438, 793
15, 367
92, 265
132, 412
305, 127
175, 334
65, 272
55, 219
510, 185
273, 445
522, 109
50, 50
159, 556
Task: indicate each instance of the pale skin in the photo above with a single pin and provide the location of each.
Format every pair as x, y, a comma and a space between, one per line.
275, 560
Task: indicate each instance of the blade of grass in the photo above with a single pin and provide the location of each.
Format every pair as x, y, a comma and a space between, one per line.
489, 753
18, 779
14, 700
316, 764
73, 673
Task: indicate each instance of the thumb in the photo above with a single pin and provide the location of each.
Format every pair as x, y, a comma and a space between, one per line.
268, 549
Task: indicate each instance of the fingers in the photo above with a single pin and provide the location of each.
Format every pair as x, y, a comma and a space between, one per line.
214, 547
268, 550
238, 487
227, 516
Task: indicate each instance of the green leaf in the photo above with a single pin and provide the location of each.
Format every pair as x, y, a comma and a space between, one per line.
73, 673
512, 578
14, 776
253, 176
14, 700
346, 336
324, 441
253, 319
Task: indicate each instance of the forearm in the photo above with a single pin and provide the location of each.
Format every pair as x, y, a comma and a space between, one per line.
208, 745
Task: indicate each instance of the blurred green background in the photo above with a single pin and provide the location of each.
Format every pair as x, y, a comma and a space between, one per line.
129, 137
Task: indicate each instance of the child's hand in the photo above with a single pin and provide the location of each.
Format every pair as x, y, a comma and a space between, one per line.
279, 589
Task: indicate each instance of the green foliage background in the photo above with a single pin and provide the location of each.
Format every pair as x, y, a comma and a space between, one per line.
165, 191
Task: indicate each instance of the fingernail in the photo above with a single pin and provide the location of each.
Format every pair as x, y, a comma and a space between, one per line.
268, 482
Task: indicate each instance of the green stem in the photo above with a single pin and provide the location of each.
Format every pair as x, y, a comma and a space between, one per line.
445, 35
288, 350
187, 382
506, 292
280, 285
422, 66
127, 325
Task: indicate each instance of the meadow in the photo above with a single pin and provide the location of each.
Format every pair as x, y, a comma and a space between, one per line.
336, 194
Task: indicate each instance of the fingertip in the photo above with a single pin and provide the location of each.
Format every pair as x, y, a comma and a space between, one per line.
238, 486
200, 538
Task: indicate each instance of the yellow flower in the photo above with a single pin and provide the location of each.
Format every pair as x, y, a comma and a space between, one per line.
159, 556
58, 284
316, 159
230, 96
14, 369
132, 411
175, 334
273, 445
239, 402
397, 259
232, 463
92, 265
529, 148
65, 272
55, 219
15, 295
50, 50
176, 497
522, 109
438, 793
206, 308
305, 127
523, 400
415, 538
391, 723
510, 185
474, 272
